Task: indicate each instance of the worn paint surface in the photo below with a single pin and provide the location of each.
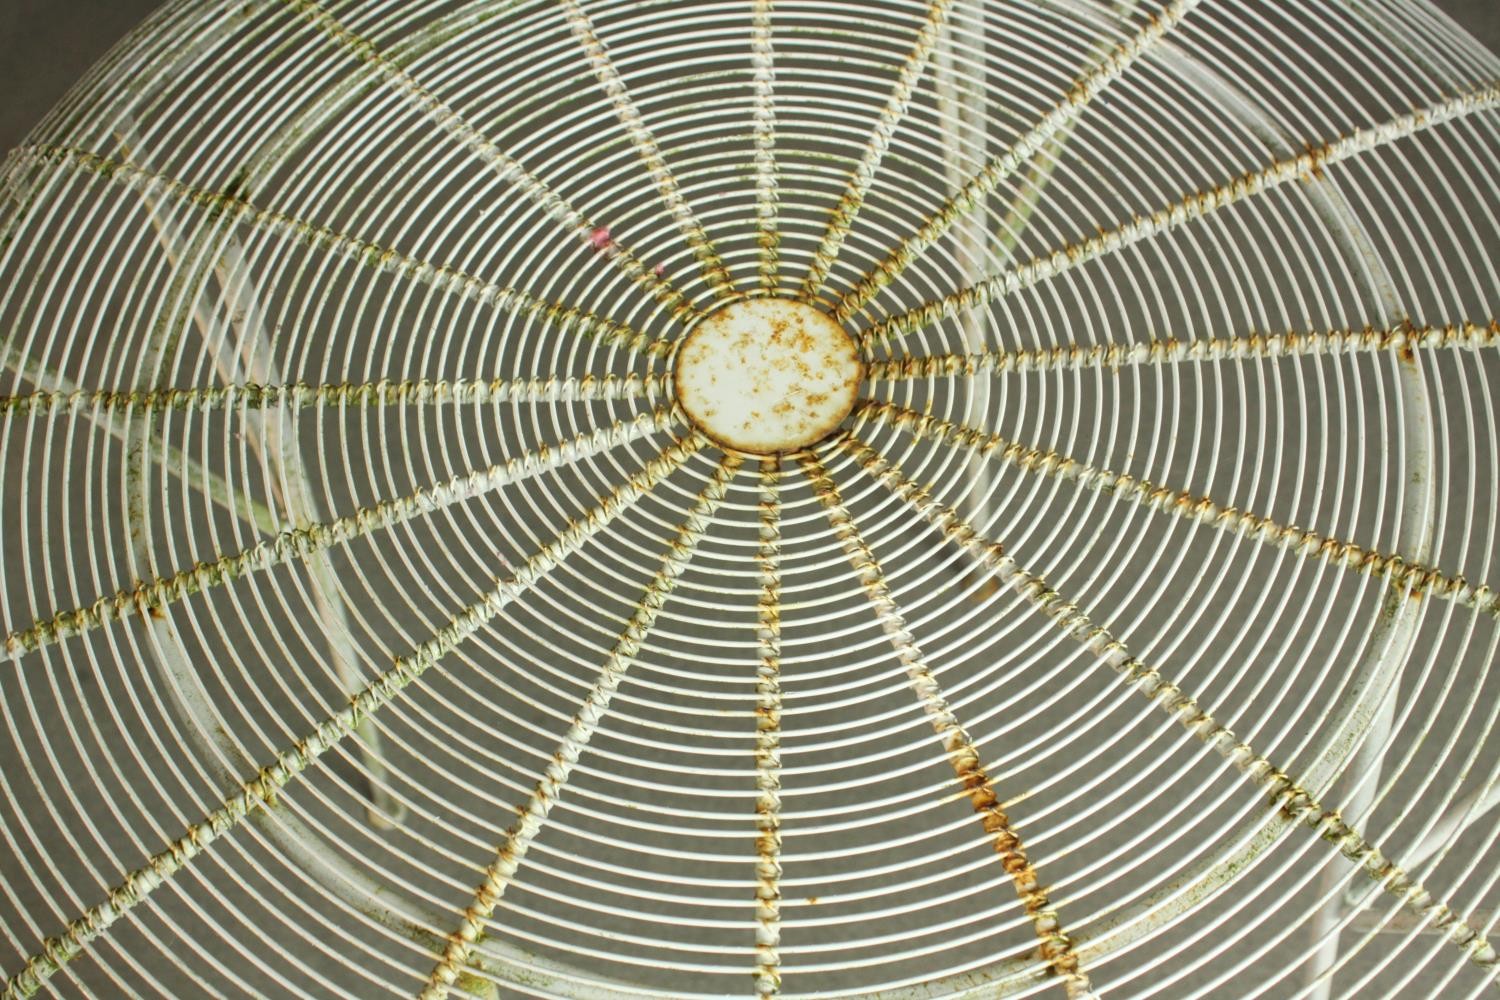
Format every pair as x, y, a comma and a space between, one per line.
1411, 578
1193, 206
963, 754
499, 873
767, 376
257, 398
768, 869
1285, 795
986, 181
1402, 340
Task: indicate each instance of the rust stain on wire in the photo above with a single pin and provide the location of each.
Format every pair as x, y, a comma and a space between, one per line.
500, 872
767, 193
290, 763
1411, 579
768, 736
963, 755
294, 543
1293, 802
1192, 206
979, 187
1402, 339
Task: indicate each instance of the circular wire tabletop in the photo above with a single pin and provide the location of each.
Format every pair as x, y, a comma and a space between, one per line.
587, 498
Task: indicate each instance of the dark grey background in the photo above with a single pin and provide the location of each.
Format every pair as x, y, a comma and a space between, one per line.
46, 45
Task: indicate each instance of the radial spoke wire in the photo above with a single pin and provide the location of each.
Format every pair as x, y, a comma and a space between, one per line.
96, 403
187, 470
994, 173
841, 220
1309, 165
290, 763
644, 142
1028, 194
510, 170
767, 193
1072, 357
500, 872
377, 258
653, 111
1285, 795
297, 543
963, 754
1410, 579
273, 443
768, 737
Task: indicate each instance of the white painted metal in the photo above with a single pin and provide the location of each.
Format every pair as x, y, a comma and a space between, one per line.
390, 606
767, 375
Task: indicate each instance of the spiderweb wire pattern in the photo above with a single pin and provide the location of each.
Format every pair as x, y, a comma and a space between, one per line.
380, 621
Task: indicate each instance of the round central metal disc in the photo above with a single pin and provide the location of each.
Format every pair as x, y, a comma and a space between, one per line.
767, 375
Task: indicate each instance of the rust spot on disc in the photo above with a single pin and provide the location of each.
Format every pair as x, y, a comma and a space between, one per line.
767, 376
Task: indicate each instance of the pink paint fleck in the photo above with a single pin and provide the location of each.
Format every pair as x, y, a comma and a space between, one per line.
600, 239
659, 270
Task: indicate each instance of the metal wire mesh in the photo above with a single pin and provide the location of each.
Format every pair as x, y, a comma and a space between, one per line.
376, 622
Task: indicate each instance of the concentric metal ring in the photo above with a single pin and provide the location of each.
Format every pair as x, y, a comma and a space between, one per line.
377, 623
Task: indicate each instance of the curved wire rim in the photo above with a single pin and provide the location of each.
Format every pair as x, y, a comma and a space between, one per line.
1062, 959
